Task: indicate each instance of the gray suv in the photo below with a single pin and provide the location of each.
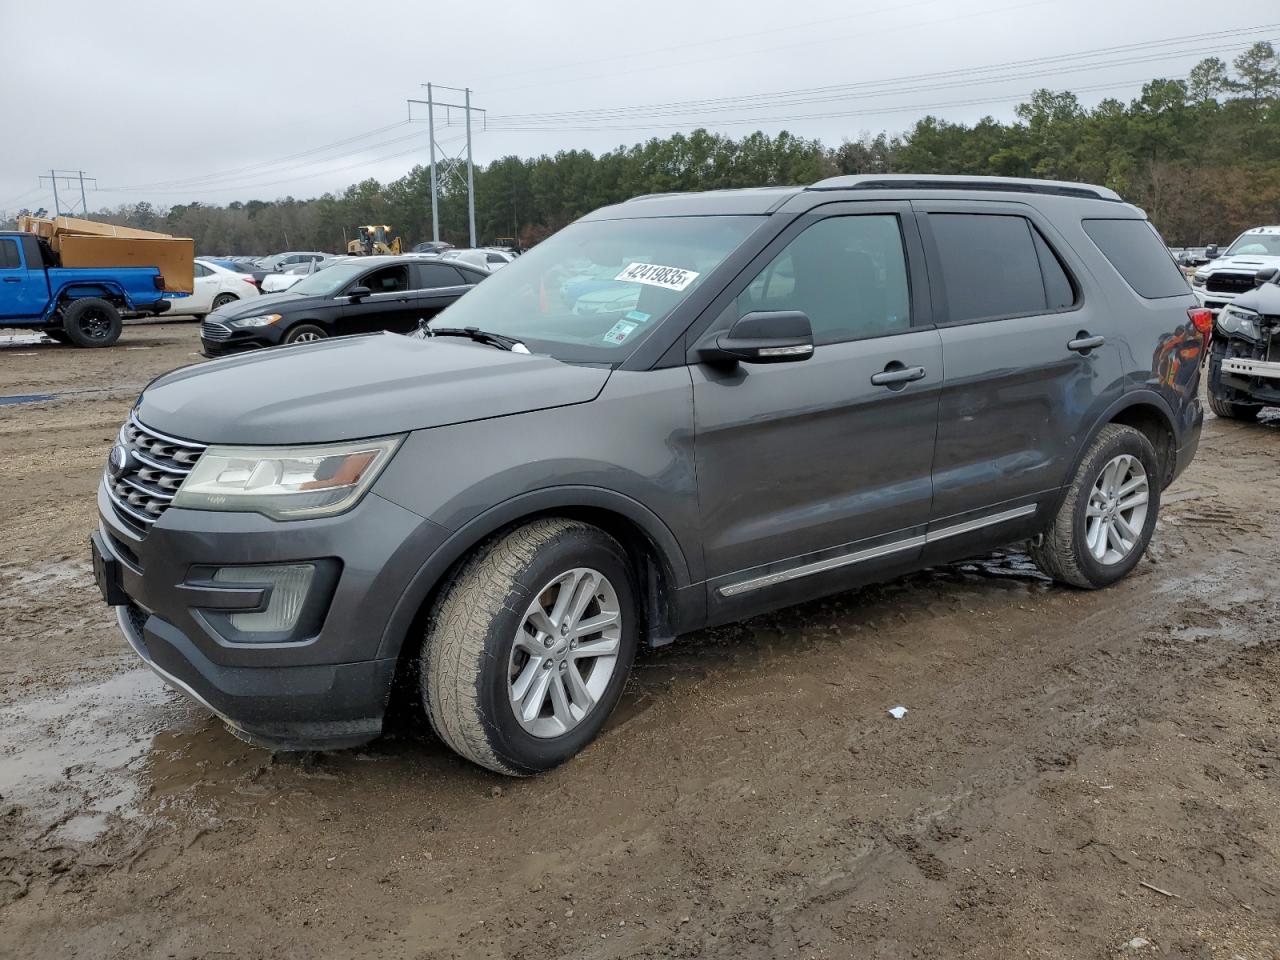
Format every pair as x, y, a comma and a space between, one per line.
678, 411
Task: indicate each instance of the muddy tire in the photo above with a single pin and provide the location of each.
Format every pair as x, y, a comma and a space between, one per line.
305, 333
527, 650
1104, 525
1229, 410
91, 322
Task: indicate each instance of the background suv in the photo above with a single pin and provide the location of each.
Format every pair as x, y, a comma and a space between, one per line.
782, 393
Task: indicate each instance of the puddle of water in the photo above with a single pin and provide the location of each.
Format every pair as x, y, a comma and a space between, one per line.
25, 398
67, 758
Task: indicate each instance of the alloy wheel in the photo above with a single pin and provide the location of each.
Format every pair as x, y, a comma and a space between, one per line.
1117, 509
565, 652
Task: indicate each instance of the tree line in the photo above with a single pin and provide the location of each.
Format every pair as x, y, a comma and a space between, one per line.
1200, 154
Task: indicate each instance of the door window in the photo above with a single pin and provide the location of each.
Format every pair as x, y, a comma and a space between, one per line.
848, 274
387, 280
9, 255
989, 266
434, 275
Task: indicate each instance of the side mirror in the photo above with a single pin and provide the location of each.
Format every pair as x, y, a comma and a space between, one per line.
358, 293
781, 336
1211, 251
1266, 275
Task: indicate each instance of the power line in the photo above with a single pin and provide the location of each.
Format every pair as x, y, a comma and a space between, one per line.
850, 90
239, 171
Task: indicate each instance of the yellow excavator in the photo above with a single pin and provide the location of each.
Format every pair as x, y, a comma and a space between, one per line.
373, 240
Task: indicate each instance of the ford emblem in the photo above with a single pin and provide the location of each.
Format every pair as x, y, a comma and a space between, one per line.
118, 461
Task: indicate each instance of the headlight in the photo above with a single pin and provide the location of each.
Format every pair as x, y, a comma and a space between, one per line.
285, 483
263, 321
1239, 322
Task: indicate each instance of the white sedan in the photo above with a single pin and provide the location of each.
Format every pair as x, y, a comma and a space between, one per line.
215, 287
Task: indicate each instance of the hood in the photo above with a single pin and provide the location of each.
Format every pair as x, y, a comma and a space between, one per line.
256, 306
1264, 300
346, 389
1245, 263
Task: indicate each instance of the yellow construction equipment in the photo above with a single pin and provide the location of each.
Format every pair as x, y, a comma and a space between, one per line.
374, 240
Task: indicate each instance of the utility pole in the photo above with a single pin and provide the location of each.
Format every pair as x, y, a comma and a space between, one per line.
448, 170
68, 177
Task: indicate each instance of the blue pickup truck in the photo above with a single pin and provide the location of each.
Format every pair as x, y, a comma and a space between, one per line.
76, 305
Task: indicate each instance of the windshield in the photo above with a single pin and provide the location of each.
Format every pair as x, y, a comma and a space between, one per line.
326, 282
596, 289
1256, 244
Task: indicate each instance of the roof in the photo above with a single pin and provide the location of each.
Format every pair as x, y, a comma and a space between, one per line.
762, 200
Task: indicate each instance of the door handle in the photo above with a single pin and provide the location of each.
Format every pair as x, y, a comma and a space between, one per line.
1083, 343
896, 375
12, 279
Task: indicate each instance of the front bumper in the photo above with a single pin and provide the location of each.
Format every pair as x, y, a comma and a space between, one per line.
323, 691
1215, 300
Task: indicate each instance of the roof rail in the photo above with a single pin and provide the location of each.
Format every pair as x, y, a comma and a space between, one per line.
1060, 188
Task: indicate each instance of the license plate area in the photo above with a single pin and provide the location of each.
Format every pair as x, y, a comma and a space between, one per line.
106, 573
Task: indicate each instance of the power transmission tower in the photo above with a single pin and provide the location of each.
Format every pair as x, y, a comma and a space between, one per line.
450, 167
69, 177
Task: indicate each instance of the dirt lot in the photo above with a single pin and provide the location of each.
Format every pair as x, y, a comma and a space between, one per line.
1065, 753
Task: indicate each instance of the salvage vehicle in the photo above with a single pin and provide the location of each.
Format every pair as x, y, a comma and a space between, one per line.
75, 305
816, 388
1229, 275
1244, 357
355, 295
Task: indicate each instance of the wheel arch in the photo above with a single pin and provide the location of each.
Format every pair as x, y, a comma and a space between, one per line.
1148, 413
113, 293
660, 563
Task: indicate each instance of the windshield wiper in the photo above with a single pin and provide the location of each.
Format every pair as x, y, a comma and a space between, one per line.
479, 336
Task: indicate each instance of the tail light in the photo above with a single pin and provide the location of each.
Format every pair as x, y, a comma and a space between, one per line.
158, 280
250, 281
1201, 319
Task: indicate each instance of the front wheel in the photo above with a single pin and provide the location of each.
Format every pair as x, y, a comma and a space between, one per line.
1105, 523
222, 299
1230, 410
91, 322
528, 649
305, 333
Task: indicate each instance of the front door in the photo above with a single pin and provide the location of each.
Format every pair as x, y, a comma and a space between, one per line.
815, 475
387, 305
1032, 358
24, 290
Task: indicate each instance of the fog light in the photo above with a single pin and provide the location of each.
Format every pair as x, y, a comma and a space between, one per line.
290, 584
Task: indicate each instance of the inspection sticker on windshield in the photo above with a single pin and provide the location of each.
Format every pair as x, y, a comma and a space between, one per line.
619, 332
672, 278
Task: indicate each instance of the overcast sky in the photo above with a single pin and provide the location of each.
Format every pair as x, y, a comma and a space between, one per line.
171, 101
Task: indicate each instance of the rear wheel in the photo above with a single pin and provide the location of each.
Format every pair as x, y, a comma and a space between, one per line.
305, 333
222, 299
1104, 525
91, 322
528, 649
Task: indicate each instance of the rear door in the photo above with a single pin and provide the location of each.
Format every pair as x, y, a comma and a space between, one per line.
437, 286
24, 289
815, 475
1030, 357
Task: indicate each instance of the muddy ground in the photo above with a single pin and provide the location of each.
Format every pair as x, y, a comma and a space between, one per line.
1064, 755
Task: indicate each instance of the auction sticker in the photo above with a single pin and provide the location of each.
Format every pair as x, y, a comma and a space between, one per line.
619, 332
672, 278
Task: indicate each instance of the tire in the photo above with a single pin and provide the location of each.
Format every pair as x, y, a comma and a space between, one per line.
476, 654
91, 322
1229, 410
305, 333
222, 299
1067, 551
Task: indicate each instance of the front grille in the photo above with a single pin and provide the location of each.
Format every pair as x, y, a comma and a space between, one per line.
1229, 283
154, 469
212, 330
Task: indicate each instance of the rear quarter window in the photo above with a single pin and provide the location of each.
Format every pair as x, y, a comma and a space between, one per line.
1139, 256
